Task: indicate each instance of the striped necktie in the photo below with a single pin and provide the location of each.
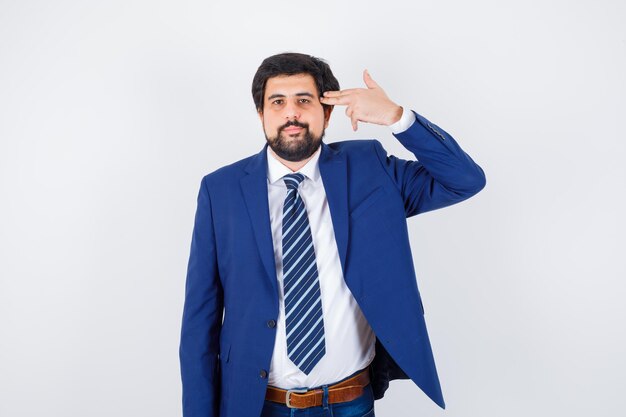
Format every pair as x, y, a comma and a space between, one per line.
303, 303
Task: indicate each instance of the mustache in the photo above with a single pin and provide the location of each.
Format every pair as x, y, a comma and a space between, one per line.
293, 123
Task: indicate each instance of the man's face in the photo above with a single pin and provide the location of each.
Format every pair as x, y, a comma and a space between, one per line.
293, 117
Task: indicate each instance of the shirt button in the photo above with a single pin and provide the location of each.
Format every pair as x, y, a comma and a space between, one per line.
263, 373
271, 323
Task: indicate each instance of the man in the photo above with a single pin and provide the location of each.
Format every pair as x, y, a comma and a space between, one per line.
301, 295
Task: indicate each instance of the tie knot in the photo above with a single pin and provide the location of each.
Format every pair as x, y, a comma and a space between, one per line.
292, 181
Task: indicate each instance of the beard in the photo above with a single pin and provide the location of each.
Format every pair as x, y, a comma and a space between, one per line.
294, 149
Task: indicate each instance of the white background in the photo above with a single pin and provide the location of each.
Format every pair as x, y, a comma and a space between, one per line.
111, 113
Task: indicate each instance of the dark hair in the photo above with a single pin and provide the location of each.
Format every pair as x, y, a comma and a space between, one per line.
291, 63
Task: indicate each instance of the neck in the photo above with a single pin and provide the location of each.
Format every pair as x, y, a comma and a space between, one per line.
292, 165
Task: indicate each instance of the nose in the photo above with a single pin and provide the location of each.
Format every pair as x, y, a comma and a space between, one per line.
292, 112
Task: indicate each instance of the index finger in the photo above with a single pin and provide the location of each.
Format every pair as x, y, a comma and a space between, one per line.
338, 93
340, 100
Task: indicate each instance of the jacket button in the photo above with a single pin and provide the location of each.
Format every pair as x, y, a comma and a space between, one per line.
263, 373
271, 323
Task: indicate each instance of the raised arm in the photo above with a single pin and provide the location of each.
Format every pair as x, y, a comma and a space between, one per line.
443, 173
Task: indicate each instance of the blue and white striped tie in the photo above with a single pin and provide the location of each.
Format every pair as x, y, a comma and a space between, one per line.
303, 302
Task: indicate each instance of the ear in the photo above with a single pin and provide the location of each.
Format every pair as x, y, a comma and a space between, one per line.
327, 111
260, 113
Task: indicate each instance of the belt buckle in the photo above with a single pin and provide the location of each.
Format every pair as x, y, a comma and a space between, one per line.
296, 390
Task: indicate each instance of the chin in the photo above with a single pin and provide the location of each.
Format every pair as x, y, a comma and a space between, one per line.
295, 147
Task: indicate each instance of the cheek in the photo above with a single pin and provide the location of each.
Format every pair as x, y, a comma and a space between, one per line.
317, 125
269, 124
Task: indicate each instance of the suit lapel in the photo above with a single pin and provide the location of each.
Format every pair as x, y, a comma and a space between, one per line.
333, 170
254, 187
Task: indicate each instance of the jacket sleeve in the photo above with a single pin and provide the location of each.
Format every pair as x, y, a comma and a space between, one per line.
202, 318
442, 175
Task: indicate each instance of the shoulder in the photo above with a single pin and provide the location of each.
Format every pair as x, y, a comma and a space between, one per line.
356, 146
226, 175
359, 149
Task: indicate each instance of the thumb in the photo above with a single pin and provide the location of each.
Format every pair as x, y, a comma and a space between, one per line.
369, 81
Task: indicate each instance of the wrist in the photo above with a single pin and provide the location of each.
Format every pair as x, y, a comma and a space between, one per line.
395, 115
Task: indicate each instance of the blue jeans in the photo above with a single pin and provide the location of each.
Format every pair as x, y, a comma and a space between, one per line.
362, 406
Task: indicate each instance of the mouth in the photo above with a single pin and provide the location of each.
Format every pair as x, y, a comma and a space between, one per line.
293, 130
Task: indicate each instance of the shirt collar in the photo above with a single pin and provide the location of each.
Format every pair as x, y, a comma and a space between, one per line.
276, 170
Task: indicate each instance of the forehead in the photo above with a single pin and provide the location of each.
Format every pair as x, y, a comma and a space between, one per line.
290, 85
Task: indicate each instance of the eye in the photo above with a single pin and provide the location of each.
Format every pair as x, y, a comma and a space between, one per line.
305, 100
277, 101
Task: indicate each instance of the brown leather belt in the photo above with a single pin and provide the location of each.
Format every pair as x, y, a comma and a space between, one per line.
340, 392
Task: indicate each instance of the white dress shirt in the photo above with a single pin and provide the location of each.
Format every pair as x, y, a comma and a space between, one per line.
348, 336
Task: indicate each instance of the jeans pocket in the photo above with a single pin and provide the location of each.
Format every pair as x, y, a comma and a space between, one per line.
369, 413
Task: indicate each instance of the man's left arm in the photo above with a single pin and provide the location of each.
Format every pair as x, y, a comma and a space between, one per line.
443, 173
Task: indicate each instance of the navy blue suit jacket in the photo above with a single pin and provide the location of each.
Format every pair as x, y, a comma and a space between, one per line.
231, 296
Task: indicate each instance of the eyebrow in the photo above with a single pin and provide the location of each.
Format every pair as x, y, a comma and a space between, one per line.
305, 94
